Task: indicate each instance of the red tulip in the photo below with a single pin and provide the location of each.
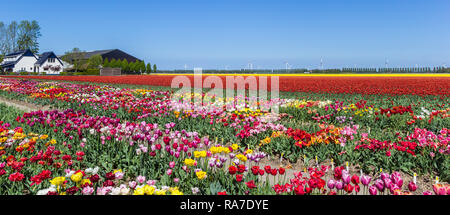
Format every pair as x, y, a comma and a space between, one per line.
239, 177
232, 170
251, 184
299, 190
355, 179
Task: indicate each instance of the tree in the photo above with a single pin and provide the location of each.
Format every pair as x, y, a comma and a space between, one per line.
132, 67
29, 33
149, 68
142, 67
112, 64
8, 37
154, 68
95, 61
106, 63
75, 57
2, 38
124, 65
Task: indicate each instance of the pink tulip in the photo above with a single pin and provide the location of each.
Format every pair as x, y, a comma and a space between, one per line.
412, 186
393, 188
397, 179
439, 189
331, 184
384, 175
387, 182
169, 172
346, 178
339, 185
380, 185
373, 190
365, 180
172, 164
427, 193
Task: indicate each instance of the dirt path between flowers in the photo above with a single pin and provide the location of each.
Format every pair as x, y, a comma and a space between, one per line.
24, 106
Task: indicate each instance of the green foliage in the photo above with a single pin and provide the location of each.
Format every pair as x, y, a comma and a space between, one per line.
95, 61
113, 63
75, 57
106, 63
92, 72
149, 68
124, 65
29, 32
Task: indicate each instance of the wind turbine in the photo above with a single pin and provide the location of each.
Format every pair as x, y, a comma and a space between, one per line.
250, 65
321, 63
287, 66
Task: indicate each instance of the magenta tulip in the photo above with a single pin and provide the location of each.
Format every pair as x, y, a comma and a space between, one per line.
339, 185
346, 178
365, 180
373, 190
331, 184
412, 186
380, 185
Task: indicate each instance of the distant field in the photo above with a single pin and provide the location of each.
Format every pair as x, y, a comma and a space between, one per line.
392, 84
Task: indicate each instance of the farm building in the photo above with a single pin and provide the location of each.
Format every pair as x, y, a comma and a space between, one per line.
111, 54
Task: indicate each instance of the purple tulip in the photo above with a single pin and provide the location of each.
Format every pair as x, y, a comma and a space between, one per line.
331, 184
373, 190
387, 182
384, 176
397, 179
339, 185
346, 178
380, 185
365, 180
393, 187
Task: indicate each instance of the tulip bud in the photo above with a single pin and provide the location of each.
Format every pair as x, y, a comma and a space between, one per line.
339, 185
373, 190
380, 185
365, 180
412, 186
331, 184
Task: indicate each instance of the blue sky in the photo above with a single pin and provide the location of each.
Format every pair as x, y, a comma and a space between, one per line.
230, 34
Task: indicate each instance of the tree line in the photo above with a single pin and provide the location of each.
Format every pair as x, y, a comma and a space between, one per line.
21, 35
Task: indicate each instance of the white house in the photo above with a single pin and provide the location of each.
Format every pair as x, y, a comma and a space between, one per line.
27, 61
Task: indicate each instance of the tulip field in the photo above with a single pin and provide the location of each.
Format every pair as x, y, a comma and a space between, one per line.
124, 135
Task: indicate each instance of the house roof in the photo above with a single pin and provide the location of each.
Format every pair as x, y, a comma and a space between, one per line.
15, 53
98, 52
22, 53
44, 56
26, 52
8, 64
112, 54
